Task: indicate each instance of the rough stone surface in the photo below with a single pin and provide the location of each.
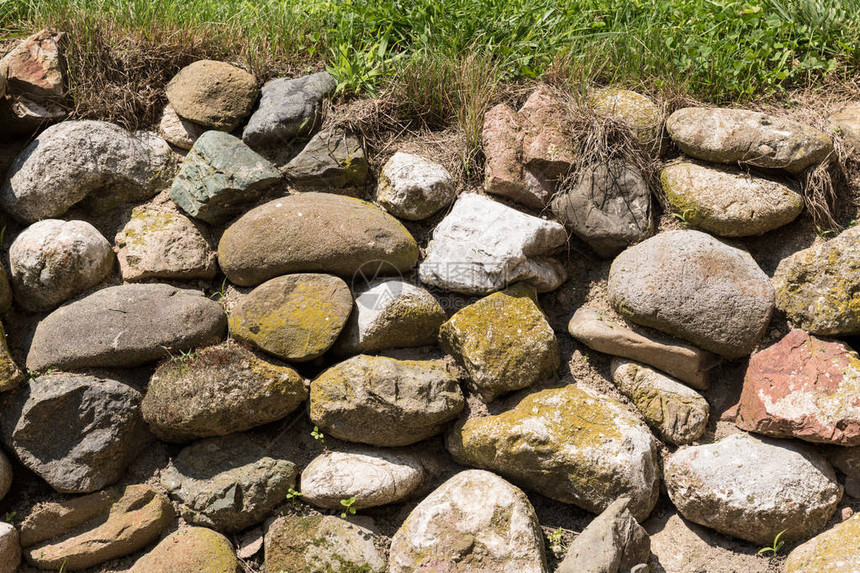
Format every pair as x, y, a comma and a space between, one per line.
803, 387
390, 313
35, 68
633, 109
308, 544
475, 522
331, 161
385, 402
213, 94
288, 108
85, 531
834, 551
177, 131
10, 548
612, 543
502, 140
294, 317
126, 326
847, 120
677, 413
609, 207
189, 549
482, 246
71, 160
295, 234
11, 375
503, 341
227, 483
722, 135
692, 286
219, 390
819, 288
77, 432
5, 477
847, 461
219, 176
414, 188
161, 243
753, 488
53, 260
372, 476
549, 444
727, 201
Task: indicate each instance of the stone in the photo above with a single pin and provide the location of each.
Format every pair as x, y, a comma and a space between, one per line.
77, 432
677, 413
35, 68
503, 342
86, 531
72, 160
632, 109
475, 522
51, 261
177, 131
10, 548
23, 117
11, 375
5, 290
308, 544
126, 326
819, 288
482, 246
753, 488
385, 402
5, 480
721, 135
390, 313
228, 483
294, 317
608, 207
331, 161
189, 549
289, 108
219, 390
159, 243
834, 551
692, 286
612, 543
295, 234
219, 177
847, 461
502, 139
414, 188
548, 444
727, 201
683, 361
216, 95
847, 121
803, 387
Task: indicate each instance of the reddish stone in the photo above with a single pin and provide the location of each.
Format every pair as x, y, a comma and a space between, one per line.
803, 387
548, 143
34, 68
502, 139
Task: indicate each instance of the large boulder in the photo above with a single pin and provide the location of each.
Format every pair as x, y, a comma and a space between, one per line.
294, 317
77, 432
632, 109
189, 549
819, 288
35, 68
482, 246
753, 488
385, 402
331, 161
803, 387
126, 326
503, 341
721, 135
53, 260
213, 94
315, 232
414, 188
834, 551
219, 390
568, 444
475, 522
692, 286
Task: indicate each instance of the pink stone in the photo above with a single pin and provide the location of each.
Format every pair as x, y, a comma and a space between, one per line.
34, 68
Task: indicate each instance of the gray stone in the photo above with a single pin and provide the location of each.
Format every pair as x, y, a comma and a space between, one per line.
331, 161
10, 548
219, 176
482, 246
53, 260
847, 460
213, 94
608, 207
126, 326
475, 522
721, 135
385, 402
692, 286
177, 131
228, 483
77, 432
414, 188
288, 108
753, 488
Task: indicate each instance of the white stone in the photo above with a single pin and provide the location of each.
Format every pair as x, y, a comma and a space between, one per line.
414, 188
178, 131
10, 548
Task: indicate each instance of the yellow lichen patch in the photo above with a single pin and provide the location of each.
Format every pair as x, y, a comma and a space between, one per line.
834, 551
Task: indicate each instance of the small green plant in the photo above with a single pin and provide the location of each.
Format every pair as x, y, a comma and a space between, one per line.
183, 357
293, 495
777, 546
825, 233
10, 517
556, 541
684, 216
221, 293
348, 507
317, 435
